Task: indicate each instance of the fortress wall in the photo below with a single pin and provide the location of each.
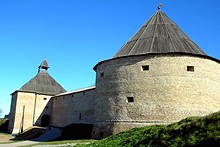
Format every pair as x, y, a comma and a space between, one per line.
24, 103
128, 97
12, 112
73, 108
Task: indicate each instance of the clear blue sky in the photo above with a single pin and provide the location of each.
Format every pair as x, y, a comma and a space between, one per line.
75, 35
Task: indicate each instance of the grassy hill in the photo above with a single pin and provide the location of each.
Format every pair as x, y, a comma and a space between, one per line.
193, 131
3, 125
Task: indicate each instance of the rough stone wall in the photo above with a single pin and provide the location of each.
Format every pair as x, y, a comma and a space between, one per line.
31, 105
165, 93
12, 112
73, 108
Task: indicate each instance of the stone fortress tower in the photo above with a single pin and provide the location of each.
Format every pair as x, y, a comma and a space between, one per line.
159, 76
30, 104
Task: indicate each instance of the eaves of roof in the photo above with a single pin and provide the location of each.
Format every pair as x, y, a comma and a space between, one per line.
161, 54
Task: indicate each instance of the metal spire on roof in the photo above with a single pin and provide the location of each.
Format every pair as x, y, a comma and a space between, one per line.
43, 66
159, 6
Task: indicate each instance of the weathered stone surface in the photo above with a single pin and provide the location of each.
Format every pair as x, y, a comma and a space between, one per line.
165, 93
74, 108
29, 106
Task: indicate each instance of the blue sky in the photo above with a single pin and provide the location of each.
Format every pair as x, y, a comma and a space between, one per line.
75, 35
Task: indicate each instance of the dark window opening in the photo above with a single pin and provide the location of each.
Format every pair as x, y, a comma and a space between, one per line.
72, 95
80, 116
45, 120
84, 93
101, 134
145, 67
46, 107
102, 74
45, 98
63, 97
190, 68
93, 133
130, 99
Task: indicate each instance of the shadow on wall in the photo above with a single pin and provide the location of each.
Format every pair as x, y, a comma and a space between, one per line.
44, 119
72, 131
76, 131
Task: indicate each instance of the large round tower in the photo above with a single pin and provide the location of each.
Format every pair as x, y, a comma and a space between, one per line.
159, 76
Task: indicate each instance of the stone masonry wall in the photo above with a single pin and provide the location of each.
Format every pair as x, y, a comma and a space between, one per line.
73, 108
31, 105
12, 112
163, 92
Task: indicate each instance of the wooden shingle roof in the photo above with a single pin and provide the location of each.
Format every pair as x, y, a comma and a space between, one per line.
159, 35
43, 83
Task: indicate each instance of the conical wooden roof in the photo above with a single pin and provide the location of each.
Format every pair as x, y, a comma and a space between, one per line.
159, 35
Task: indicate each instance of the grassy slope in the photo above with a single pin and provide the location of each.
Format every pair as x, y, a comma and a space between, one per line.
2, 121
4, 125
4, 136
190, 131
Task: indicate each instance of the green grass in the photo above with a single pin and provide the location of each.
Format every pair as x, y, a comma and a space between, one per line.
193, 131
4, 125
1, 133
2, 121
4, 135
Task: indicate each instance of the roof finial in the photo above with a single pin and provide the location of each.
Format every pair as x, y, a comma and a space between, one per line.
159, 6
43, 66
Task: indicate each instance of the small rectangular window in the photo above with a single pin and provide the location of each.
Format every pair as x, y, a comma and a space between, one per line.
93, 133
130, 99
190, 68
102, 74
84, 92
80, 116
45, 98
145, 67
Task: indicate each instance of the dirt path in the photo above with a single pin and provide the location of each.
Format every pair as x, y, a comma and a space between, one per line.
4, 137
28, 143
